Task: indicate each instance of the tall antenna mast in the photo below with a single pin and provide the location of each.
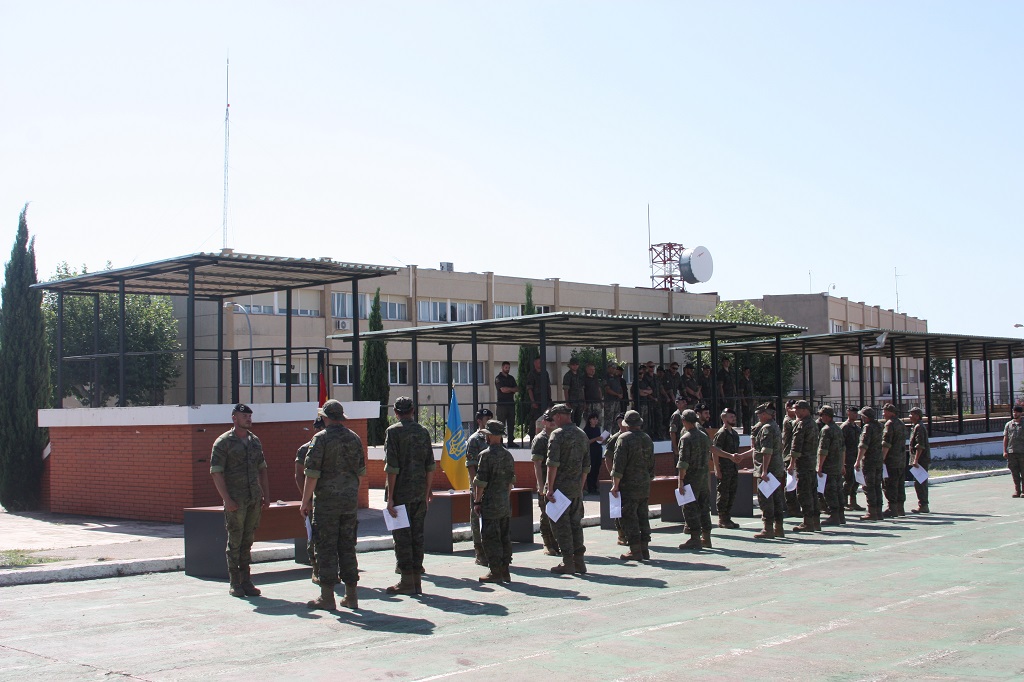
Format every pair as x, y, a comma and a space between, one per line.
649, 242
227, 144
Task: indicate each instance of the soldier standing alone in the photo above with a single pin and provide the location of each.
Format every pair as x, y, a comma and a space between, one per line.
1013, 448
568, 460
921, 453
694, 460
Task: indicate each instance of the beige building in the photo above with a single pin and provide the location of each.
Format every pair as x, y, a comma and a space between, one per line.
824, 314
413, 296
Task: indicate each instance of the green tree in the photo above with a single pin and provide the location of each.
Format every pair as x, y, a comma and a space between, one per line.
526, 357
373, 378
24, 376
940, 378
150, 327
590, 355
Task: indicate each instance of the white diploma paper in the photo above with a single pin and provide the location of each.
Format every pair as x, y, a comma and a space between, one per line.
790, 482
604, 436
399, 522
858, 475
614, 506
821, 482
885, 472
920, 474
555, 509
687, 497
309, 530
768, 487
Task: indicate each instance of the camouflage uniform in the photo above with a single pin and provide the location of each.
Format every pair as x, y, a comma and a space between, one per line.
728, 396
609, 452
831, 446
727, 439
653, 426
539, 383
633, 465
747, 400
496, 474
767, 440
409, 455
1014, 435
300, 457
894, 434
871, 464
690, 388
694, 454
851, 436
611, 403
569, 454
572, 383
593, 394
804, 448
538, 453
474, 446
792, 498
241, 462
919, 441
335, 457
644, 403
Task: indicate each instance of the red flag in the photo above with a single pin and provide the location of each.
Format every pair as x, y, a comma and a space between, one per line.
321, 362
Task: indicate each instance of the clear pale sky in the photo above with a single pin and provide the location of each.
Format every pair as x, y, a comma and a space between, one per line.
848, 139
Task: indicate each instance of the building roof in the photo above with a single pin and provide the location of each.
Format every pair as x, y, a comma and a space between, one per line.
907, 345
578, 329
218, 275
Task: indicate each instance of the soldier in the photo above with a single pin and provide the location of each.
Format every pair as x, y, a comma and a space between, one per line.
1013, 448
725, 444
894, 456
239, 473
300, 479
330, 493
921, 452
614, 393
691, 388
643, 392
766, 445
804, 463
572, 390
654, 425
703, 416
831, 459
491, 487
621, 427
672, 383
539, 453
694, 458
851, 437
792, 499
869, 461
593, 393
476, 444
675, 422
538, 389
705, 380
506, 389
568, 460
726, 385
632, 471
409, 465
747, 398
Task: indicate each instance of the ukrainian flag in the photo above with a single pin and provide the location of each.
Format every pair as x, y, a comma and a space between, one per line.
453, 458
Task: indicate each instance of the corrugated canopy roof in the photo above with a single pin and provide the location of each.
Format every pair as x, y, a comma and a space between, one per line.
578, 329
907, 345
218, 275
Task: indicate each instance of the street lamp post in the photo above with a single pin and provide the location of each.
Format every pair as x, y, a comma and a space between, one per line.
252, 376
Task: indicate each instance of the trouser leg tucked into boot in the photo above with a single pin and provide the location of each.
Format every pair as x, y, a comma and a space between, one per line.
705, 539
325, 601
693, 543
494, 575
806, 527
635, 553
235, 590
247, 586
350, 600
780, 530
768, 533
579, 564
407, 585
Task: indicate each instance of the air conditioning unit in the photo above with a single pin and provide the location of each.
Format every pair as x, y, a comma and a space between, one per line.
341, 324
447, 267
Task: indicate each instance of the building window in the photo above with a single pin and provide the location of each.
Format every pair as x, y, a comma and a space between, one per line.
541, 309
465, 311
305, 302
435, 310
506, 310
432, 311
341, 305
341, 375
595, 311
393, 308
296, 375
462, 373
398, 372
835, 372
260, 304
835, 326
260, 369
433, 372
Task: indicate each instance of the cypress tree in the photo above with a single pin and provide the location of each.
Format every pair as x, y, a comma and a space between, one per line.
24, 376
373, 379
526, 356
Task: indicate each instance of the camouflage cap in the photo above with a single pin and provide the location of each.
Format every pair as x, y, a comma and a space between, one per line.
547, 417
403, 404
801, 405
827, 410
495, 427
688, 365
633, 418
853, 408
690, 416
484, 412
867, 412
560, 408
242, 408
1018, 408
889, 407
764, 407
729, 410
332, 409
917, 410
700, 407
620, 415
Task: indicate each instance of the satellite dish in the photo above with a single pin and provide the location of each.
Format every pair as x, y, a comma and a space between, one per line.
696, 265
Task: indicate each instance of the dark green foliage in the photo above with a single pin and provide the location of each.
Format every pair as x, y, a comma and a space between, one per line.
526, 357
373, 378
149, 326
588, 355
940, 373
24, 376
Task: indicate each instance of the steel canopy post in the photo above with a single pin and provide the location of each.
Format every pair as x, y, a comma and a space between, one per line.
220, 351
715, 398
415, 375
475, 378
544, 379
190, 339
860, 370
778, 374
121, 401
356, 358
288, 346
988, 385
928, 382
59, 399
451, 380
959, 393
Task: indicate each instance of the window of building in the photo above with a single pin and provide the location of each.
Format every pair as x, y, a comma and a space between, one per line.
297, 375
305, 302
429, 310
465, 311
433, 372
261, 370
595, 311
506, 310
393, 308
260, 304
836, 372
341, 375
437, 310
835, 326
463, 373
341, 305
541, 309
398, 372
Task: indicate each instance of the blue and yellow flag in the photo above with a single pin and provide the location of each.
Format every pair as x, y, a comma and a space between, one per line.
453, 459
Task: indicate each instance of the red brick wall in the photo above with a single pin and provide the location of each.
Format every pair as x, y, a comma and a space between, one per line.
153, 472
44, 487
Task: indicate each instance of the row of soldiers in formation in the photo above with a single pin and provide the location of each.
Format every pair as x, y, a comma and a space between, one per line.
329, 466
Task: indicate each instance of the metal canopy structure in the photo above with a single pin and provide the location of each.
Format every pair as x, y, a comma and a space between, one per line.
216, 277
578, 329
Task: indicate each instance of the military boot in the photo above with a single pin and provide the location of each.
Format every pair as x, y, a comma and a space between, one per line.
922, 508
350, 600
853, 503
806, 527
890, 511
417, 579
767, 533
567, 567
693, 543
325, 602
247, 586
506, 577
645, 550
480, 559
636, 553
833, 520
705, 539
816, 520
235, 577
870, 516
842, 517
899, 510
780, 529
494, 575
578, 564
407, 585
727, 522
622, 538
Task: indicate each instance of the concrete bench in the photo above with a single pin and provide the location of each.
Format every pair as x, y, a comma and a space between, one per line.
663, 492
206, 537
451, 507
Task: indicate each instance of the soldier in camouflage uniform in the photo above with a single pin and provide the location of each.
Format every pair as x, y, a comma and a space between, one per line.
333, 465
689, 386
894, 456
726, 442
694, 459
568, 460
614, 393
409, 465
619, 427
239, 473
538, 389
1013, 448
921, 454
766, 440
572, 390
869, 461
632, 470
300, 481
851, 437
831, 459
675, 422
804, 462
593, 392
788, 422
476, 444
539, 453
491, 486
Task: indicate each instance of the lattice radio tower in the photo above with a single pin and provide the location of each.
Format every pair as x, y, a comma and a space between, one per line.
665, 273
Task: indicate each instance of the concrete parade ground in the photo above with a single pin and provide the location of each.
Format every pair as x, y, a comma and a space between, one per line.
932, 597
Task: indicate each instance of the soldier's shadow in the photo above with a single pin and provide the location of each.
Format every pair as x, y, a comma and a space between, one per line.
625, 581
672, 565
535, 590
365, 619
466, 607
268, 606
450, 583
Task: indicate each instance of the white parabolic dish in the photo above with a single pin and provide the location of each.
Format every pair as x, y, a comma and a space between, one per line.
696, 265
